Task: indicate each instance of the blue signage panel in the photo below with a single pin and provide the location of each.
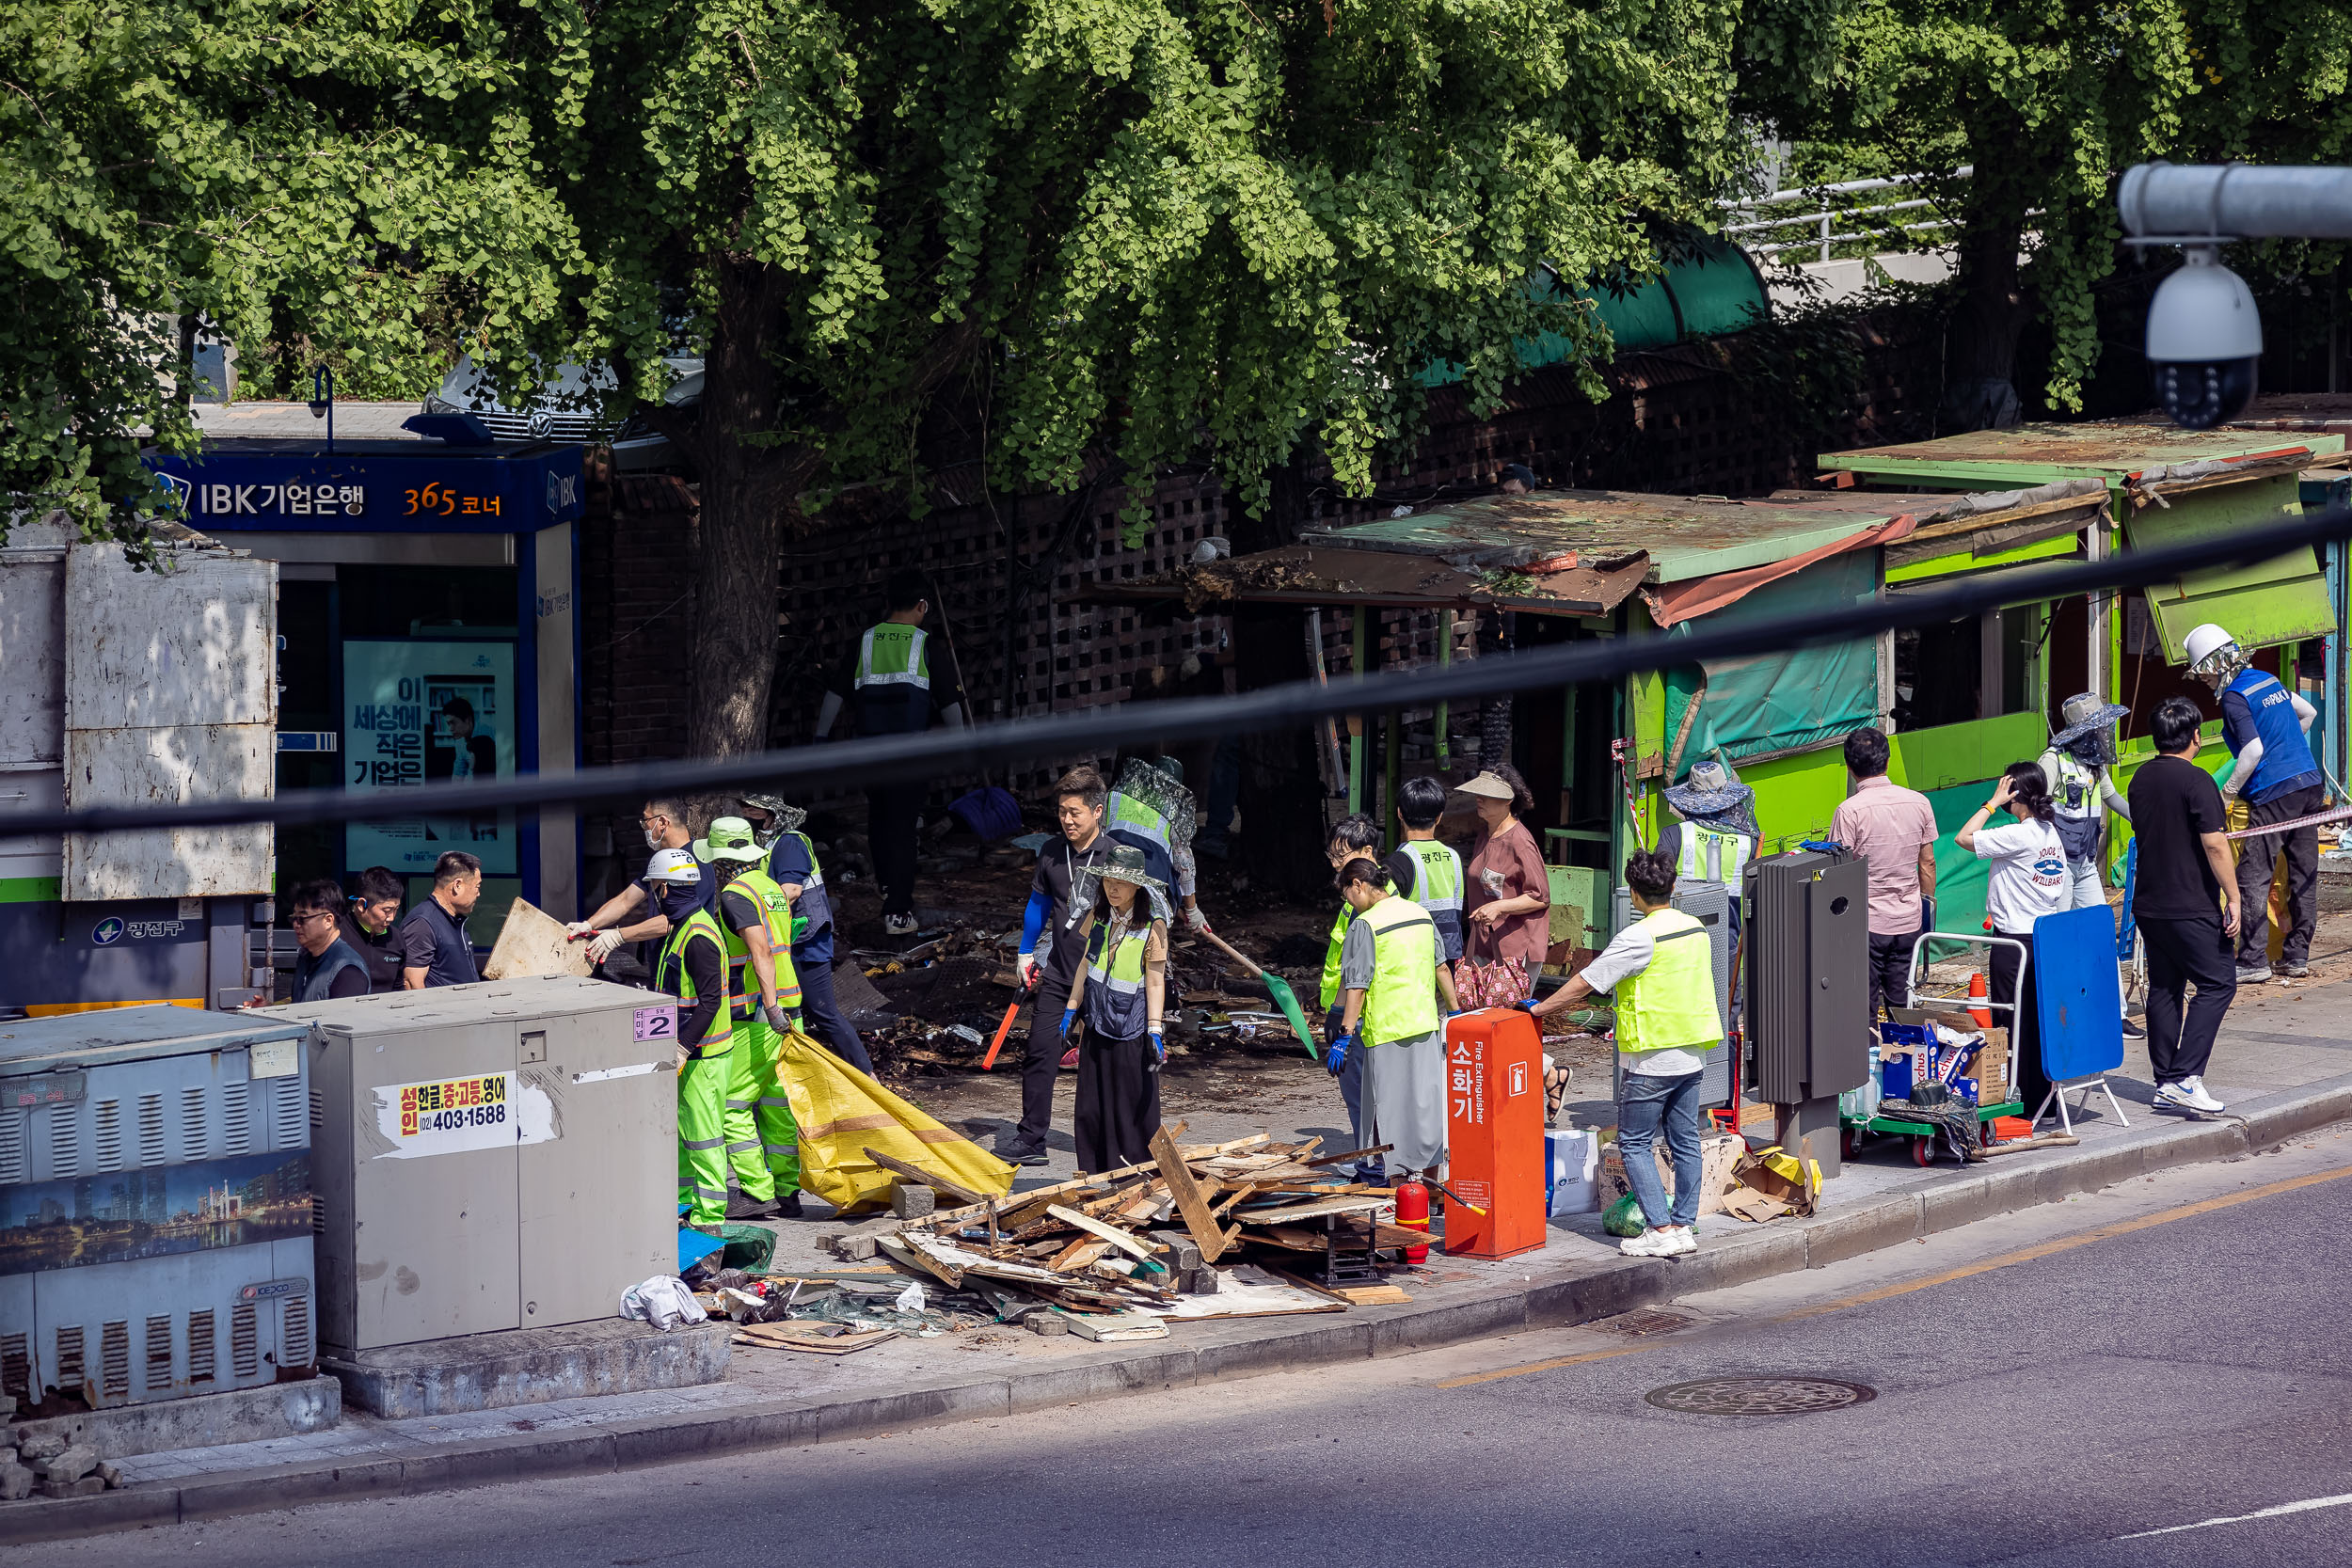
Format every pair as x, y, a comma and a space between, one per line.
425, 490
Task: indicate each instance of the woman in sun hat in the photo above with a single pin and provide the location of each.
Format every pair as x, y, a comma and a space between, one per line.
1507, 889
1123, 987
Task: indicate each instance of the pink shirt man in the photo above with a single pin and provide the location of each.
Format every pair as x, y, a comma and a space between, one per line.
1887, 826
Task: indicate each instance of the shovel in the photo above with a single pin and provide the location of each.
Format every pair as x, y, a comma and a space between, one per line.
1279, 989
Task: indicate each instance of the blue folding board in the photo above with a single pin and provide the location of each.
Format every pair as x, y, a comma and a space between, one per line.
2078, 998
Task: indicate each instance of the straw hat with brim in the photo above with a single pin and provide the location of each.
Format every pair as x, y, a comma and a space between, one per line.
730, 839
1126, 864
1709, 789
2098, 719
1488, 785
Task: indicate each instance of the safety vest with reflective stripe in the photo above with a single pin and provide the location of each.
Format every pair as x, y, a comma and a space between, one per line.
1670, 1004
1332, 956
1711, 855
892, 654
1117, 1007
671, 974
1403, 1002
775, 913
1437, 888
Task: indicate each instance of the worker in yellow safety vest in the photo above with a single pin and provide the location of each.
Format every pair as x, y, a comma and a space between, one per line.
892, 679
1661, 968
764, 996
1353, 835
692, 967
1391, 984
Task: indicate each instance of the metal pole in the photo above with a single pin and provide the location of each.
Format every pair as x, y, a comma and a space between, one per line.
1392, 723
1445, 656
1358, 669
2236, 202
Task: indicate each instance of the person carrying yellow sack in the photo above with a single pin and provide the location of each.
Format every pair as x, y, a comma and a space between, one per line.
692, 967
763, 1003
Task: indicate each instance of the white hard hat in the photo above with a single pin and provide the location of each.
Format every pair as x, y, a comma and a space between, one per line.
675, 866
2209, 647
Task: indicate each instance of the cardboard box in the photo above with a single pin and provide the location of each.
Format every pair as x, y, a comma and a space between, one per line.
1719, 1154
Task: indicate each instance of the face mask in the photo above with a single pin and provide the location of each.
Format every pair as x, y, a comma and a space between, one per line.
653, 839
675, 900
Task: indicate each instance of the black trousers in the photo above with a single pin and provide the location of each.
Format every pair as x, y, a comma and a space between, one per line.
891, 811
2182, 951
1890, 969
1041, 1059
2258, 863
2025, 1028
1119, 1102
827, 1025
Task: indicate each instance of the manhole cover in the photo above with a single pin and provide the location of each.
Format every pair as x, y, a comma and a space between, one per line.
1649, 1319
1759, 1396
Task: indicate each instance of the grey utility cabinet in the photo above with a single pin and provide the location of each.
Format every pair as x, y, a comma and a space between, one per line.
1807, 981
155, 1205
494, 1156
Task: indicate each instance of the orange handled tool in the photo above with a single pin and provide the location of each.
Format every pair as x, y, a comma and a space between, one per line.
1005, 1028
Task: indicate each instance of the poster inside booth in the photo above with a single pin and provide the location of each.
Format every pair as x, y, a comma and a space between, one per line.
418, 711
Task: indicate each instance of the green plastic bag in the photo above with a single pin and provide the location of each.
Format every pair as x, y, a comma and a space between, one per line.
749, 1247
1624, 1218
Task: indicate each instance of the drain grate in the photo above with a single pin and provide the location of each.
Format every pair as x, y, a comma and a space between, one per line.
1759, 1396
1649, 1319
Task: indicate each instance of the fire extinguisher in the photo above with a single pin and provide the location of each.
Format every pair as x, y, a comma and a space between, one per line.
1412, 1214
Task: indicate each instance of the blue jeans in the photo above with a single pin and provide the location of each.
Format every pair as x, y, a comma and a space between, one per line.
1646, 1103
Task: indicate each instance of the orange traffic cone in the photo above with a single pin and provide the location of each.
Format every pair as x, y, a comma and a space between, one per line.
1976, 990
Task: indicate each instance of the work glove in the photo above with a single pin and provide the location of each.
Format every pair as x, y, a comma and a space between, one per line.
1159, 1050
603, 945
1025, 967
1330, 1025
1524, 1003
579, 930
778, 1020
1336, 1058
1069, 1017
1194, 918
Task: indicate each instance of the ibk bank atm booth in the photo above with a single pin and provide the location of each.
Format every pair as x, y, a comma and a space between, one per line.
426, 607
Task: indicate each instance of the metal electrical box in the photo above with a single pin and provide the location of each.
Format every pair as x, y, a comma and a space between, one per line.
1807, 990
155, 1205
1709, 904
493, 1156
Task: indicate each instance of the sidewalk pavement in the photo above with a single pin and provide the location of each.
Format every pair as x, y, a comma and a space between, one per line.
2285, 1066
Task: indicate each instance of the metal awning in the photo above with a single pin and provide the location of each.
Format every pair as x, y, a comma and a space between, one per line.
1309, 575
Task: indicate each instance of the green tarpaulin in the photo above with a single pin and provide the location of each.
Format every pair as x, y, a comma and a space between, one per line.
1781, 702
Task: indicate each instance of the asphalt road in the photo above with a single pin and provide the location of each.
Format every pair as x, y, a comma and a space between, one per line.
2048, 1388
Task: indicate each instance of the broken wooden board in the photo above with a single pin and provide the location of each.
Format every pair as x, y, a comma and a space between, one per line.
1078, 1255
1111, 1327
936, 1182
782, 1336
1096, 1228
904, 1250
1200, 1223
1246, 1291
1188, 1151
534, 944
1291, 1214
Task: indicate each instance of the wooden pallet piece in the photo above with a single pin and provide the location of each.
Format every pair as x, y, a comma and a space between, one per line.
936, 1182
1200, 1223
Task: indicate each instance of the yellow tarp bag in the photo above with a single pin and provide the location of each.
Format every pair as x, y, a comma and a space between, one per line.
841, 1114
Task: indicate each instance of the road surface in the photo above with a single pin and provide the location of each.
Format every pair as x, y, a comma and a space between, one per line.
2051, 1387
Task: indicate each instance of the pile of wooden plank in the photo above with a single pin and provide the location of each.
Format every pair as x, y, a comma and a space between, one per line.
1151, 1238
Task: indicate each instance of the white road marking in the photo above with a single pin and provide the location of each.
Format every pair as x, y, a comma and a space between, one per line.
2305, 1506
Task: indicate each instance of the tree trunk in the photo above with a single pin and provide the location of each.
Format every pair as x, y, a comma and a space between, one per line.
1980, 355
729, 642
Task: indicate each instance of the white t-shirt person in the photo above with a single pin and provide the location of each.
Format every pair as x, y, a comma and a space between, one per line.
2025, 875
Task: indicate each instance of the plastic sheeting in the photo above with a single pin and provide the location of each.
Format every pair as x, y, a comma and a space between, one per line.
1781, 702
841, 1114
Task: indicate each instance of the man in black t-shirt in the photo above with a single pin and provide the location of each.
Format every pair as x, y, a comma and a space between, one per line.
434, 948
372, 925
1050, 923
2185, 900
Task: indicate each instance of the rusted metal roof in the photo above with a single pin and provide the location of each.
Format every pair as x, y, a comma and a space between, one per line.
1306, 575
1683, 536
2106, 448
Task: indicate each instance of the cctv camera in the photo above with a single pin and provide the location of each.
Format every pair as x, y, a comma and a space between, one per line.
2204, 341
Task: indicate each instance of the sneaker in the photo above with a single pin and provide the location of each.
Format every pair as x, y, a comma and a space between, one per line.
2185, 1094
2295, 969
1022, 1151
899, 924
742, 1206
2199, 1095
1651, 1243
2252, 974
1373, 1172
2132, 1031
1070, 1060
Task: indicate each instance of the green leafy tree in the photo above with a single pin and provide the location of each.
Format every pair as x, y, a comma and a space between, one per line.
353, 185
2050, 102
1169, 229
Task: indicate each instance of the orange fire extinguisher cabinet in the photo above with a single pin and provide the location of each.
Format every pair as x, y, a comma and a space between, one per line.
1494, 1079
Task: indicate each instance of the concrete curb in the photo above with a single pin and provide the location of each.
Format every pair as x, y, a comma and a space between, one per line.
1210, 1352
